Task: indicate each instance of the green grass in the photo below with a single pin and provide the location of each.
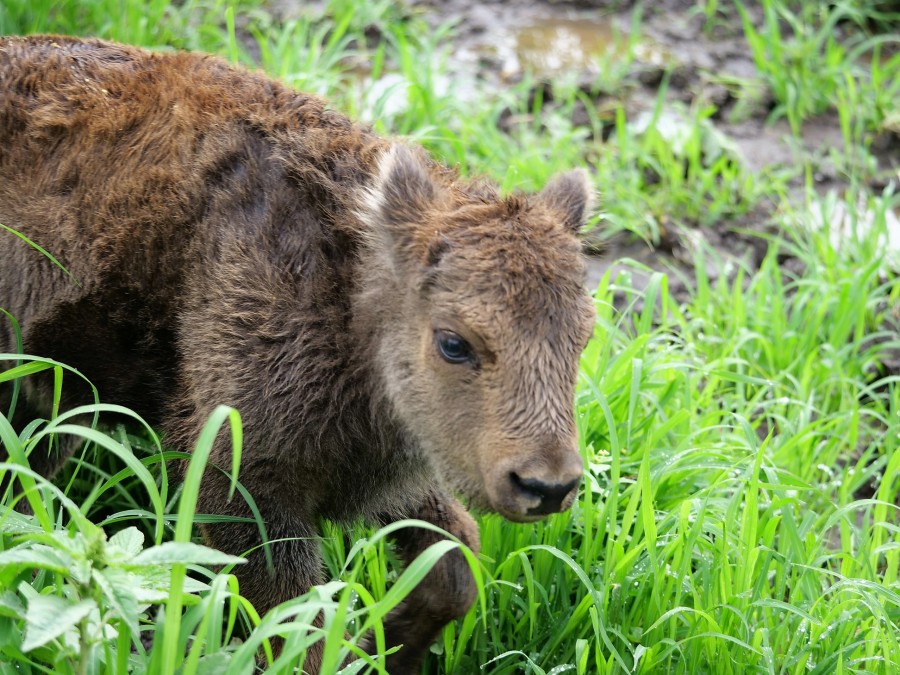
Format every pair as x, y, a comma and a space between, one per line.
811, 70
739, 512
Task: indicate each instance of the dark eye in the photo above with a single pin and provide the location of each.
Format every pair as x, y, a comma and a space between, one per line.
452, 347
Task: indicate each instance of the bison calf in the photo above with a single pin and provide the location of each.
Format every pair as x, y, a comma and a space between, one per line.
390, 333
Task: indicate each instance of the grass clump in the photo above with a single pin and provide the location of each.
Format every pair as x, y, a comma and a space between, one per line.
799, 53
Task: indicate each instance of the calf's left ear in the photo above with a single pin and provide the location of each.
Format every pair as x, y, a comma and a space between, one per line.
571, 196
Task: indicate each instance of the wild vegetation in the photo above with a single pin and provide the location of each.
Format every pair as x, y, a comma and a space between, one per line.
739, 414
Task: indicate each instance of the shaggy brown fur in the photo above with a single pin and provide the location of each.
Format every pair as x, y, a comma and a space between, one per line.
237, 242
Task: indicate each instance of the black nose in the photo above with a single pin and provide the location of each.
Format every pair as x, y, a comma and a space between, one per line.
550, 494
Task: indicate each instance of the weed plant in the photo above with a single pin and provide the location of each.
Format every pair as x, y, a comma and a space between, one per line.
742, 469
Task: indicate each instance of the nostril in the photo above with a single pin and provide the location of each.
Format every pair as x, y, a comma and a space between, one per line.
571, 485
550, 494
530, 486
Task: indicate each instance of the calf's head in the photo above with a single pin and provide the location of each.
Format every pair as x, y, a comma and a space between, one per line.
482, 318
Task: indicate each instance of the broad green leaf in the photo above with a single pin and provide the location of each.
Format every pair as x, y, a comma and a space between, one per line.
40, 556
125, 545
49, 616
118, 590
183, 553
215, 664
150, 596
18, 523
11, 605
194, 586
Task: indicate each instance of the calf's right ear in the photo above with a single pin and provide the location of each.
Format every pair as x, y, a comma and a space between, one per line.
402, 191
395, 206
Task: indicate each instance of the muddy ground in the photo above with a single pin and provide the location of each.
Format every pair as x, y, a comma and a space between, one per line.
497, 42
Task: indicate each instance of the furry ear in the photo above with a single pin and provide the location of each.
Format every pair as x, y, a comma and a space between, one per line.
402, 191
571, 195
395, 207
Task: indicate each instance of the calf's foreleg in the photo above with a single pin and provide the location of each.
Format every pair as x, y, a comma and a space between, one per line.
447, 591
294, 547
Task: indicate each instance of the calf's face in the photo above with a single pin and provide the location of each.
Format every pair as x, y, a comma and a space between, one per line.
479, 352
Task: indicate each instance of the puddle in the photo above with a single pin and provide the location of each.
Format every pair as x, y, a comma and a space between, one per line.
550, 47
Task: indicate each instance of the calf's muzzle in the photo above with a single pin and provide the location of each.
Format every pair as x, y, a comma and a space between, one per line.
528, 488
